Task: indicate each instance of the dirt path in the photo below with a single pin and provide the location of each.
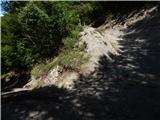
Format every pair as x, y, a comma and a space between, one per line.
126, 89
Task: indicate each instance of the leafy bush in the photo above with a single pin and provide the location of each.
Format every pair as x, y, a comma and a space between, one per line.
35, 31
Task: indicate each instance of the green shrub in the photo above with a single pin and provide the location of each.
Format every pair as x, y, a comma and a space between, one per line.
71, 40
35, 31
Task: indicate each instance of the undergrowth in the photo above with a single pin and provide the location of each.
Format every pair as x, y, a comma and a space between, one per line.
72, 55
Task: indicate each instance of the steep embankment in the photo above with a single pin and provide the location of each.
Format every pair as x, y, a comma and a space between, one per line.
98, 41
124, 89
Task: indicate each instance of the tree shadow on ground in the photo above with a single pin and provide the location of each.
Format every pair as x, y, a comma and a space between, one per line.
41, 104
16, 81
126, 89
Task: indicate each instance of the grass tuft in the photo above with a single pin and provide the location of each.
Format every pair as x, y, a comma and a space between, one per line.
71, 55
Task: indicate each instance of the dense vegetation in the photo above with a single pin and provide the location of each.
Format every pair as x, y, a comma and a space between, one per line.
37, 31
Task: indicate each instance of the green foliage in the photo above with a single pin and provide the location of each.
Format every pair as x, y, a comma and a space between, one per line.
34, 25
35, 31
71, 40
72, 58
8, 76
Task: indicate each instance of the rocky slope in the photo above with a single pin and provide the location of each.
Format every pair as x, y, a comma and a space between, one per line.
98, 41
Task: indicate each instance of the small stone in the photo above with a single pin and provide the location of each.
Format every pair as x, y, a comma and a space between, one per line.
78, 105
144, 82
34, 113
89, 114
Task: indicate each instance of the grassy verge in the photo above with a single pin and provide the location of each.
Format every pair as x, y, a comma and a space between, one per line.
71, 55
